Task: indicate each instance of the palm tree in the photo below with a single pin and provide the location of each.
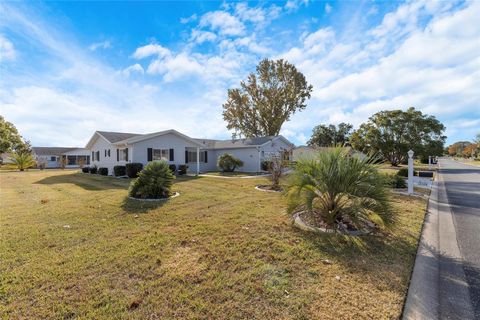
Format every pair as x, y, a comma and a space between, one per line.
23, 160
338, 188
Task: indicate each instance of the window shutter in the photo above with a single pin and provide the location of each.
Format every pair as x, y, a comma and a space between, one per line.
98, 155
108, 152
206, 159
171, 155
126, 154
93, 156
186, 156
118, 155
105, 151
149, 154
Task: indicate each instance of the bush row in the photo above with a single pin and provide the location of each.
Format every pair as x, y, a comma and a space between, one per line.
131, 170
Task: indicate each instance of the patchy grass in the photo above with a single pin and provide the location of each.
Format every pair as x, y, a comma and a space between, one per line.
232, 174
72, 246
469, 161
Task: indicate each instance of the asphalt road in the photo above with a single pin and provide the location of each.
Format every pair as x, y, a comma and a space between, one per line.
462, 186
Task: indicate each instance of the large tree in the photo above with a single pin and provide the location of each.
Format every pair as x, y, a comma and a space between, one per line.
331, 135
393, 133
11, 140
266, 99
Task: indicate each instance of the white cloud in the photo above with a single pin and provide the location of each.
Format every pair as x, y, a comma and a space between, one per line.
223, 22
193, 17
136, 68
201, 36
7, 51
150, 50
104, 45
328, 8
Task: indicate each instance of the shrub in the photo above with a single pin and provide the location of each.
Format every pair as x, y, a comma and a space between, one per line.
154, 181
397, 181
85, 169
133, 169
93, 170
172, 168
103, 171
119, 171
227, 162
275, 166
340, 190
403, 172
265, 165
23, 161
182, 169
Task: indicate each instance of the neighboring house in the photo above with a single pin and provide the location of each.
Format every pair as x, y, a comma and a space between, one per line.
6, 158
306, 151
52, 156
108, 149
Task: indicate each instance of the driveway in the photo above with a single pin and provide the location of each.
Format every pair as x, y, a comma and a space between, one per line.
446, 279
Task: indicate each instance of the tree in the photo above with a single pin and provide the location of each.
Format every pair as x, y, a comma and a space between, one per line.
456, 149
338, 189
275, 164
228, 163
154, 181
11, 140
393, 133
331, 135
23, 161
469, 151
266, 99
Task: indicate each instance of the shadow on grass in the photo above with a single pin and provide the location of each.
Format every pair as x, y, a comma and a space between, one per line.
138, 206
86, 181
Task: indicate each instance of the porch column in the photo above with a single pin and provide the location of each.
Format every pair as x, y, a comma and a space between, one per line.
198, 160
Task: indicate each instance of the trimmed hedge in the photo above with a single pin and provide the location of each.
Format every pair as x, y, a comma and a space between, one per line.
92, 170
119, 171
154, 182
103, 171
85, 169
172, 168
182, 169
133, 169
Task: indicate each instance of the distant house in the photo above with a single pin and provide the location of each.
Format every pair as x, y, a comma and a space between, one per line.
52, 156
108, 149
306, 151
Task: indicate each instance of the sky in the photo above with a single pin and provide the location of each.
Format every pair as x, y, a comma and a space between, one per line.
68, 69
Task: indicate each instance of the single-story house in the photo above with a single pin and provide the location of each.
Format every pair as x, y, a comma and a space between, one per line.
307, 151
108, 149
52, 157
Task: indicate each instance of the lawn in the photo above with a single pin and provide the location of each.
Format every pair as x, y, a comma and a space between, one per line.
72, 246
232, 174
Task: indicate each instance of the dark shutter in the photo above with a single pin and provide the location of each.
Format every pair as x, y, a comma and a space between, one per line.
126, 154
206, 159
93, 156
108, 152
186, 156
105, 153
98, 155
88, 160
171, 155
118, 155
149, 154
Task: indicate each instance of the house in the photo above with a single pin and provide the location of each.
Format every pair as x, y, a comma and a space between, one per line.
307, 151
52, 157
108, 149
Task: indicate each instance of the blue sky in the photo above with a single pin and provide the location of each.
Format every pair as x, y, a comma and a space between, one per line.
70, 68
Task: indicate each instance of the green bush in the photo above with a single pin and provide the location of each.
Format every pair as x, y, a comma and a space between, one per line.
103, 171
397, 181
133, 169
266, 165
403, 172
85, 169
182, 169
339, 189
173, 168
228, 163
92, 170
119, 171
153, 182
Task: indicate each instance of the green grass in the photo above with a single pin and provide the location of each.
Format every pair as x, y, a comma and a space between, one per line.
231, 174
475, 162
221, 250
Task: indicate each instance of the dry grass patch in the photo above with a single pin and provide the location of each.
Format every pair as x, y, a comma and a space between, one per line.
222, 250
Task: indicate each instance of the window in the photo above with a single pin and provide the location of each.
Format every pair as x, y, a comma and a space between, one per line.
123, 154
53, 158
160, 154
71, 160
192, 156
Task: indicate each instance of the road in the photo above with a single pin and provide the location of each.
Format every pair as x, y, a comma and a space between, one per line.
462, 185
445, 282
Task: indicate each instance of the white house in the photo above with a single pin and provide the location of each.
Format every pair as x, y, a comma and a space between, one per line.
52, 156
108, 149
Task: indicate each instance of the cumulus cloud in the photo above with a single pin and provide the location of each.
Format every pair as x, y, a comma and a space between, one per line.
7, 51
150, 50
223, 22
135, 68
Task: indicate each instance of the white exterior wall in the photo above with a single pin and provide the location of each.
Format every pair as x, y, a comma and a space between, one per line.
249, 156
167, 141
106, 162
47, 161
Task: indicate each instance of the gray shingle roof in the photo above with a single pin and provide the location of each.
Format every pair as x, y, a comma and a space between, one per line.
51, 151
117, 136
237, 143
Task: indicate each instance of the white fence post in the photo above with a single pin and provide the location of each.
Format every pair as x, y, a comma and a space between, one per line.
410, 172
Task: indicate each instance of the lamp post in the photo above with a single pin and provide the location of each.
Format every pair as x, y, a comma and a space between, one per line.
410, 172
